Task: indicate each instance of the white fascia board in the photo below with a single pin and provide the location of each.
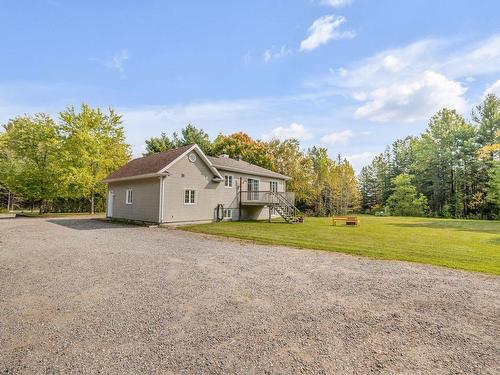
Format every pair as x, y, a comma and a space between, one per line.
138, 177
243, 171
200, 152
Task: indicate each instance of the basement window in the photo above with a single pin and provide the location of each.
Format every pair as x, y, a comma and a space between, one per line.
129, 196
228, 213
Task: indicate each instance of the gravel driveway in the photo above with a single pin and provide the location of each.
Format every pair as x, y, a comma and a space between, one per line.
84, 296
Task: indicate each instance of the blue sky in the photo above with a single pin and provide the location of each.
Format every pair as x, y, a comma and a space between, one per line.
348, 75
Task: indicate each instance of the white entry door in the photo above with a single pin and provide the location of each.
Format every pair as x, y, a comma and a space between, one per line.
110, 203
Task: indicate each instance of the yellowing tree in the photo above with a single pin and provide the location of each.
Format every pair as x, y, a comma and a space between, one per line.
94, 146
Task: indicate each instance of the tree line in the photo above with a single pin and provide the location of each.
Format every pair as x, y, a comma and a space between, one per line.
451, 170
322, 186
58, 165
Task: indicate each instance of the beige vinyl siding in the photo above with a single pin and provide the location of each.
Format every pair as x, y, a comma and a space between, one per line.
184, 174
194, 176
145, 199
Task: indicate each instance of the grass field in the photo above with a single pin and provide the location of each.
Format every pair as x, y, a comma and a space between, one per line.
463, 244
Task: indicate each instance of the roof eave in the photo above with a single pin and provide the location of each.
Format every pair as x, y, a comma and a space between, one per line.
137, 177
232, 169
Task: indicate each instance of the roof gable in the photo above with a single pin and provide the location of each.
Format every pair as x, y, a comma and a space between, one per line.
156, 164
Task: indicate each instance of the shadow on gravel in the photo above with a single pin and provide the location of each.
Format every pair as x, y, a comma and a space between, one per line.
85, 224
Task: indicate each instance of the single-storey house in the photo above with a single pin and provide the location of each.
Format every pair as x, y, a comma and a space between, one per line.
184, 185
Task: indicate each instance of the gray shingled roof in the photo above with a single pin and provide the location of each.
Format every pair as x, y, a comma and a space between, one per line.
225, 163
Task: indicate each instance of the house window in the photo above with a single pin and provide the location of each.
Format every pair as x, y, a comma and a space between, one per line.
228, 181
189, 196
129, 196
273, 186
253, 189
228, 213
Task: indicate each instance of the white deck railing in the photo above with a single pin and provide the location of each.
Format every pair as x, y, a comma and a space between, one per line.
267, 197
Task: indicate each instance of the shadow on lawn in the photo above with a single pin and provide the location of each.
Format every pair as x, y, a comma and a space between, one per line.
469, 226
85, 224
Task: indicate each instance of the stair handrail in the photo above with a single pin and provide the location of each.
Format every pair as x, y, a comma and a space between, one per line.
288, 205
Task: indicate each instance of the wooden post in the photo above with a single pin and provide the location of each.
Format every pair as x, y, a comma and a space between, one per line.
269, 213
8, 202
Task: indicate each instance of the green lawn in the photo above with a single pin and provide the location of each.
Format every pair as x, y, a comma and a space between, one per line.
464, 244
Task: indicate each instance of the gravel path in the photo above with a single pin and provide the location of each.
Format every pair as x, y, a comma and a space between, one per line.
84, 296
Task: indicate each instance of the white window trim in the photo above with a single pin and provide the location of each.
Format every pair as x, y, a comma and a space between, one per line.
131, 195
230, 217
256, 191
275, 183
232, 181
195, 196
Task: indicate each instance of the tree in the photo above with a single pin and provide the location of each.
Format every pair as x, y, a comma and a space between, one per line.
189, 135
158, 144
30, 158
94, 146
445, 163
367, 188
487, 118
242, 145
344, 186
405, 201
289, 160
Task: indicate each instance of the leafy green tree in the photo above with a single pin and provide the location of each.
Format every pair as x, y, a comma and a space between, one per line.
405, 201
158, 144
94, 146
30, 158
189, 135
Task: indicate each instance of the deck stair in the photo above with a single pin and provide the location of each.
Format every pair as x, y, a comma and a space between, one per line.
285, 208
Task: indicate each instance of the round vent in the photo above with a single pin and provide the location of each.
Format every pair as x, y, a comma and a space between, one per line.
192, 158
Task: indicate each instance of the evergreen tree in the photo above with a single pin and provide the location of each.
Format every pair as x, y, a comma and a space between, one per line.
405, 201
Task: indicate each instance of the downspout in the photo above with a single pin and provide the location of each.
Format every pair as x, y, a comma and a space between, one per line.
239, 210
160, 214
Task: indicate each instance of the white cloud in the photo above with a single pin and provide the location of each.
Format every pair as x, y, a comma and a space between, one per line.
412, 100
272, 54
493, 89
336, 3
337, 137
295, 131
323, 30
412, 82
117, 62
360, 160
